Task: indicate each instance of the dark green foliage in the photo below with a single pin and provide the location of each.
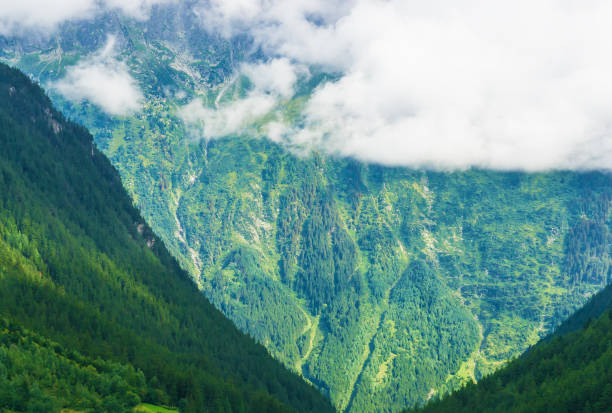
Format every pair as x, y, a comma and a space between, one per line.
290, 219
316, 279
426, 320
39, 375
588, 246
597, 305
80, 266
588, 241
566, 373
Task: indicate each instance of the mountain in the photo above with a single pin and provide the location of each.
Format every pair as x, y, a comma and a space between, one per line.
94, 311
592, 310
42, 376
381, 286
570, 371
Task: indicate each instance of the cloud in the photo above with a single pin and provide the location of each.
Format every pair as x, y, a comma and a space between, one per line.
445, 84
275, 77
270, 83
104, 81
24, 16
296, 29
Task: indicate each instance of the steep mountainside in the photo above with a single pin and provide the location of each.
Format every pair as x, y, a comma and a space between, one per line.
381, 286
596, 306
79, 266
565, 373
38, 375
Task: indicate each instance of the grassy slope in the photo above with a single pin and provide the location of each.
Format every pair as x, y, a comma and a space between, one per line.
150, 408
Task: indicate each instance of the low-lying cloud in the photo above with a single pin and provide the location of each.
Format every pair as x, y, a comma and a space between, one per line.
271, 82
24, 16
103, 80
446, 84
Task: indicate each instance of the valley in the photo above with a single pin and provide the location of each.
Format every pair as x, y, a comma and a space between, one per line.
382, 286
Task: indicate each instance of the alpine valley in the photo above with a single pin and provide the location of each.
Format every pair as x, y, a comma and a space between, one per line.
383, 287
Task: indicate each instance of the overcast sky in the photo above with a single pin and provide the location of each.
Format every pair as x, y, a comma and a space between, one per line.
440, 83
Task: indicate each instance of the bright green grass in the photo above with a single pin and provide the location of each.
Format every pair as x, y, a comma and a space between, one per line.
150, 408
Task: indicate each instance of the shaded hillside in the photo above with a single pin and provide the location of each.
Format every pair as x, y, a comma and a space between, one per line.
597, 305
565, 373
79, 266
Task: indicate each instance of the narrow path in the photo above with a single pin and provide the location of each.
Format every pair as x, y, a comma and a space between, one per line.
308, 321
312, 326
476, 354
313, 333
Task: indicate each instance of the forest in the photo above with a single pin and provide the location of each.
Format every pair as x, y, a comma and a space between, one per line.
570, 371
86, 284
38, 375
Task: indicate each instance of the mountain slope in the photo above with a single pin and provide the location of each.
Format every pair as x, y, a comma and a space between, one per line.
565, 373
314, 256
39, 375
80, 266
592, 310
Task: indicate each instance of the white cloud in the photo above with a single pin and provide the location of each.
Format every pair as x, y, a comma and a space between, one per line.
508, 85
297, 29
271, 82
104, 81
214, 123
276, 77
523, 84
23, 16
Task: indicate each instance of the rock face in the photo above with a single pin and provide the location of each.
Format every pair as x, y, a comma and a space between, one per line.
381, 286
